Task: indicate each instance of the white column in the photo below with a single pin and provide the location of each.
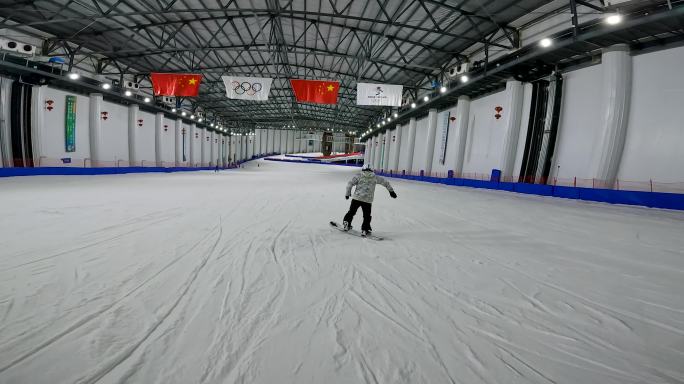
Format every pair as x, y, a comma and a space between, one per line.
231, 148
190, 140
132, 133
514, 98
411, 144
431, 135
95, 125
257, 142
283, 141
158, 126
214, 154
386, 149
378, 151
203, 146
370, 147
397, 148
617, 92
37, 122
366, 151
291, 141
461, 133
178, 134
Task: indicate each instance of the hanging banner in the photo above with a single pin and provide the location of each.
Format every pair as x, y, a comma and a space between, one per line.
247, 88
379, 94
315, 91
70, 124
176, 84
445, 137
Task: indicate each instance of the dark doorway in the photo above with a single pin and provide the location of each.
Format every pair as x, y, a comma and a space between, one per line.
20, 125
542, 130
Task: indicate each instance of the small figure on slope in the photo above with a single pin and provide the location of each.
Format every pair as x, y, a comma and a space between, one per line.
363, 197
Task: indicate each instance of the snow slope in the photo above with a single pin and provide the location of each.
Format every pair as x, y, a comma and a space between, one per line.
236, 278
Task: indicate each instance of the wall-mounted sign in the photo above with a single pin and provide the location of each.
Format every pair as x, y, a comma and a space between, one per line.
70, 124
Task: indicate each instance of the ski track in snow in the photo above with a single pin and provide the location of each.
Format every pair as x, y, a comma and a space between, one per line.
236, 277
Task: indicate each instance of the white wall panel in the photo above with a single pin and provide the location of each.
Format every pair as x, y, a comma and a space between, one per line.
485, 134
580, 119
421, 142
437, 165
168, 140
52, 133
145, 138
115, 134
655, 132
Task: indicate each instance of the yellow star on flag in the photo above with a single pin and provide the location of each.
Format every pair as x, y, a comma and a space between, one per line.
192, 81
330, 88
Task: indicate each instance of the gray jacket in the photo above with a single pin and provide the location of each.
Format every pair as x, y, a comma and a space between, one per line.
365, 186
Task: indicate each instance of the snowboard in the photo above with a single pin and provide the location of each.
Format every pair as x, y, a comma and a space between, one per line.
354, 232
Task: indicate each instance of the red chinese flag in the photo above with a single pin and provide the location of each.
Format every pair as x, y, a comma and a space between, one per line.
176, 84
315, 91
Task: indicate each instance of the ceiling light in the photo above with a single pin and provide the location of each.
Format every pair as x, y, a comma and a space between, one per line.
147, 100
396, 115
464, 79
74, 76
389, 119
413, 105
106, 85
377, 125
443, 89
200, 120
128, 93
173, 110
183, 113
211, 125
614, 19
426, 99
383, 123
192, 117
545, 42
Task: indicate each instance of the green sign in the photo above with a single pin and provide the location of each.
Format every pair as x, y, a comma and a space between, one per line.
70, 124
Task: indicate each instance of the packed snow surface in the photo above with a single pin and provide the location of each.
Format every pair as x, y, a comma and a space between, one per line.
236, 277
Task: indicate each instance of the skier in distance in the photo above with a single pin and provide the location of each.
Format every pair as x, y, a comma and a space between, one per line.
365, 183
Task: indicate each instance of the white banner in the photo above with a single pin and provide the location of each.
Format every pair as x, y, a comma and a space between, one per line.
378, 94
247, 88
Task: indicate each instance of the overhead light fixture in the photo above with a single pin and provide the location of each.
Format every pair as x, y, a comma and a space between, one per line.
173, 110
464, 79
106, 86
183, 113
147, 100
211, 125
192, 117
413, 105
74, 76
614, 19
128, 93
396, 115
443, 89
545, 42
389, 119
426, 99
199, 120
377, 125
383, 123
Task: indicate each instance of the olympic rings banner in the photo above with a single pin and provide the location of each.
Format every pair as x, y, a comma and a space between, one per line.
247, 88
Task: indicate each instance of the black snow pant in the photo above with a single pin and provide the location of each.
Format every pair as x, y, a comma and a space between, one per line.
365, 207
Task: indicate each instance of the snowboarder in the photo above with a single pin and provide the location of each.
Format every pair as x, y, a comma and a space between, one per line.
363, 197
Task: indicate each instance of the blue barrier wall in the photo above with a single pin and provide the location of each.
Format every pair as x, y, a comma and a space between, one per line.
646, 199
67, 171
